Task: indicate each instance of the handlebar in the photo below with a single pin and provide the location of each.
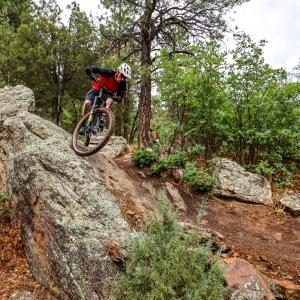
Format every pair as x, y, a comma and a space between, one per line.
93, 77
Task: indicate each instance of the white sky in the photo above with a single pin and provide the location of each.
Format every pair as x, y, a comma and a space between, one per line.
277, 21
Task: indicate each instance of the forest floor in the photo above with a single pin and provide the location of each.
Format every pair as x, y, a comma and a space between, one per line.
265, 237
14, 270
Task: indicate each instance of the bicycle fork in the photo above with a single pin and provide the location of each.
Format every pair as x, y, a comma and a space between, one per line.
92, 114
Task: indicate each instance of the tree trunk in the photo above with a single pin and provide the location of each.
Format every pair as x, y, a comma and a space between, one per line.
58, 78
57, 105
133, 127
126, 114
145, 96
119, 119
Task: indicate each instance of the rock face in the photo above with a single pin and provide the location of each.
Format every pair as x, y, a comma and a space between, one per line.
287, 289
245, 282
176, 197
236, 182
67, 216
114, 147
292, 203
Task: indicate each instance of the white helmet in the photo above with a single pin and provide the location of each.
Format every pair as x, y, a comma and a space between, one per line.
125, 70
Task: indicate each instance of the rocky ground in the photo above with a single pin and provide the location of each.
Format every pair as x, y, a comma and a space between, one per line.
264, 236
74, 214
268, 239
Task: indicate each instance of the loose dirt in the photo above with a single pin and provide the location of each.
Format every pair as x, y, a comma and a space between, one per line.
14, 270
268, 239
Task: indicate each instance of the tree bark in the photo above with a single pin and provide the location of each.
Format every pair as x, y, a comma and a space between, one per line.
126, 114
145, 96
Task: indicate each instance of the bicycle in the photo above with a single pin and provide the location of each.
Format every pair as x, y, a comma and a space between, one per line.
98, 123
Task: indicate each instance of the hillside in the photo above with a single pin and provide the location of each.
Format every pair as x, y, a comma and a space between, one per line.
68, 217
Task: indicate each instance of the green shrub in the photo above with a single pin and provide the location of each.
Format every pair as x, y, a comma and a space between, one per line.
264, 168
157, 169
198, 179
195, 150
3, 197
283, 177
177, 160
281, 173
144, 157
163, 265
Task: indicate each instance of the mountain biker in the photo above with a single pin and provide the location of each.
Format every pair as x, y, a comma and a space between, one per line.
153, 136
113, 81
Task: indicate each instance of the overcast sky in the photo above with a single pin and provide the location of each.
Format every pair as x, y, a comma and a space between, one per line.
277, 21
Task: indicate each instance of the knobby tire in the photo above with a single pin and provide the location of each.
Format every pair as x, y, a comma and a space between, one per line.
84, 152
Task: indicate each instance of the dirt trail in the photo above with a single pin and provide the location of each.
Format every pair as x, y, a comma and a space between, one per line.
268, 240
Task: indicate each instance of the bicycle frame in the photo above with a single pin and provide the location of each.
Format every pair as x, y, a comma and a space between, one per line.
94, 122
99, 99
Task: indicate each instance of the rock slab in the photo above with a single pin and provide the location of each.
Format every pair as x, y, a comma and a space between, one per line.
291, 202
245, 282
240, 184
59, 200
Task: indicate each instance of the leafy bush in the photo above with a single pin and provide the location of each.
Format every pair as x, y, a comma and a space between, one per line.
195, 150
157, 169
281, 173
283, 176
177, 160
144, 157
198, 179
164, 266
264, 168
3, 197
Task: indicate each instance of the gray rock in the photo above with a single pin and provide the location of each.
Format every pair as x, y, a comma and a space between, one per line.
292, 203
245, 282
176, 197
114, 147
60, 202
21, 295
236, 182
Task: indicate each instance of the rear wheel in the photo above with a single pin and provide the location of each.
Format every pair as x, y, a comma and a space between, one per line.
89, 135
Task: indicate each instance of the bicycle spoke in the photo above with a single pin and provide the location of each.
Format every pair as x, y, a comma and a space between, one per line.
94, 133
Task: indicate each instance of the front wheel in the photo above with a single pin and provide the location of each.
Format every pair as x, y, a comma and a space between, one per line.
93, 132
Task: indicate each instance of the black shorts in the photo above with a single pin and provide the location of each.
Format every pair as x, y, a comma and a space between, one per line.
91, 94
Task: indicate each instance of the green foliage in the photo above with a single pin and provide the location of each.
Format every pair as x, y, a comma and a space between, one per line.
48, 55
275, 168
177, 160
3, 197
240, 107
195, 150
157, 169
144, 157
264, 168
164, 266
283, 176
198, 179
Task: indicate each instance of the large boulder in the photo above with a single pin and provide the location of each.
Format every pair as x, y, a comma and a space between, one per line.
245, 282
116, 146
240, 184
291, 202
67, 216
